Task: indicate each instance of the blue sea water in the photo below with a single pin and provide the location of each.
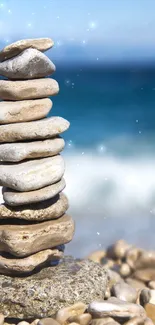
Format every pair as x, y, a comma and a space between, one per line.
109, 154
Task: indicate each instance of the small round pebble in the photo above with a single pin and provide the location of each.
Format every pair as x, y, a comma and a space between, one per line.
65, 313
124, 291
83, 319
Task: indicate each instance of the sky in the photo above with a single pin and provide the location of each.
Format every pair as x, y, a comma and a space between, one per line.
96, 30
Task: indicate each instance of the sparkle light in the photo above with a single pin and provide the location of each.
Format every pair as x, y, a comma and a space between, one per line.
92, 25
9, 11
101, 148
29, 25
1, 5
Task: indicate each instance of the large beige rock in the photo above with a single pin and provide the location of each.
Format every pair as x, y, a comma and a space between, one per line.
14, 198
41, 44
15, 152
16, 266
29, 64
41, 211
28, 89
24, 111
33, 174
28, 239
47, 291
44, 129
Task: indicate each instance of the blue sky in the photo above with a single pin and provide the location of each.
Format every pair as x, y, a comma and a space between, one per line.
113, 30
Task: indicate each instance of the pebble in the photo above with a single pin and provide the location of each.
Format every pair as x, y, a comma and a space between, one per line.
23, 323
145, 275
132, 255
146, 259
41, 44
104, 321
151, 284
118, 250
147, 296
26, 239
33, 174
150, 311
24, 111
97, 256
115, 308
30, 64
28, 89
13, 266
47, 321
65, 313
136, 321
135, 283
114, 277
43, 129
16, 152
41, 211
83, 319
125, 270
1, 319
14, 198
124, 291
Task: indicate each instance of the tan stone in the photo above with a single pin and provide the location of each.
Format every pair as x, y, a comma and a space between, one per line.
97, 256
145, 259
65, 313
33, 174
48, 321
14, 198
16, 152
118, 250
116, 308
28, 89
29, 64
150, 311
151, 284
41, 44
104, 321
43, 129
124, 291
1, 319
136, 321
41, 211
132, 256
24, 240
145, 275
147, 296
24, 111
83, 319
16, 266
23, 323
135, 283
114, 277
148, 321
125, 270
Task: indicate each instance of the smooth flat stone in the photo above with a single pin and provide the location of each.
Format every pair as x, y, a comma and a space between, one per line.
145, 275
28, 239
116, 308
41, 44
43, 129
57, 287
33, 174
124, 291
14, 198
28, 89
41, 211
15, 152
16, 266
30, 64
24, 111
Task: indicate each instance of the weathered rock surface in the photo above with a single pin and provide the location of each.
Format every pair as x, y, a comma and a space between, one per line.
14, 198
24, 111
53, 288
21, 266
41, 44
115, 308
44, 129
124, 291
41, 211
32, 174
30, 64
15, 152
27, 239
28, 89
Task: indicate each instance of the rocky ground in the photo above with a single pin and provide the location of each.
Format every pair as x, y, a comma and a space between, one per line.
129, 298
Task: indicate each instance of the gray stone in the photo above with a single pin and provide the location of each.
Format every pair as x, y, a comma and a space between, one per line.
21, 266
43, 129
15, 152
14, 198
33, 174
41, 44
24, 111
41, 211
30, 64
28, 89
24, 240
53, 288
124, 291
118, 309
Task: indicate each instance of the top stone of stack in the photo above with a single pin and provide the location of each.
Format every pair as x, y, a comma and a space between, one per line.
40, 44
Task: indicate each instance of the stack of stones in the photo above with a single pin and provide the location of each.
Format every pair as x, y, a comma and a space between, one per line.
33, 226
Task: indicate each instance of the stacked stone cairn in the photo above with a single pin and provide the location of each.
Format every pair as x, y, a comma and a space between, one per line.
34, 225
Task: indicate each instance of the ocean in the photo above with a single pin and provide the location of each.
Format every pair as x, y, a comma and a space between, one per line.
109, 153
